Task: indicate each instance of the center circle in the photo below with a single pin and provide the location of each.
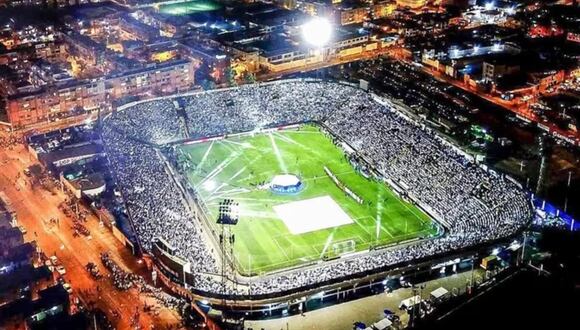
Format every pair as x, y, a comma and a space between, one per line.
286, 184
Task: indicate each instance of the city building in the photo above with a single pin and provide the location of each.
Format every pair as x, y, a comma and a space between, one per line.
382, 9
156, 79
77, 97
55, 102
498, 66
413, 4
351, 13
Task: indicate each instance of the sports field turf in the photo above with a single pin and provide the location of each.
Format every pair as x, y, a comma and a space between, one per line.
235, 167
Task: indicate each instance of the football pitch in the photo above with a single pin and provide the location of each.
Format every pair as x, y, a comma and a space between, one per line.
279, 230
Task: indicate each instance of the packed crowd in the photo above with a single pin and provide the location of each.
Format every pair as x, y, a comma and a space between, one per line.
153, 201
475, 205
8, 141
122, 280
156, 122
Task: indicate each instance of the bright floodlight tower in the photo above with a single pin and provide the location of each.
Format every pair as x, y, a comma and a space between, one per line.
317, 33
228, 216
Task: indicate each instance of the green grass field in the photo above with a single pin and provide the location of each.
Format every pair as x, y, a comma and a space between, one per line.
233, 167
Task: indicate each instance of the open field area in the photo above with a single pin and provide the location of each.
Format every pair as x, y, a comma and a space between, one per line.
270, 236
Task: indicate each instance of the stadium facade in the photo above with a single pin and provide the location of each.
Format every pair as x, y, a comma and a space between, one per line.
476, 206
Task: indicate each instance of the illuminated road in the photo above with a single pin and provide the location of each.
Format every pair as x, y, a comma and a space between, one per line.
521, 109
35, 206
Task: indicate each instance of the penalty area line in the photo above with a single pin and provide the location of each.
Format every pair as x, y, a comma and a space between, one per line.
280, 247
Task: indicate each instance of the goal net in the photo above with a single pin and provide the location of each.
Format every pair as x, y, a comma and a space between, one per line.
343, 247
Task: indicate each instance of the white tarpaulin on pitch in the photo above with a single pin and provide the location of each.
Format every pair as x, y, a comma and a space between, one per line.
312, 214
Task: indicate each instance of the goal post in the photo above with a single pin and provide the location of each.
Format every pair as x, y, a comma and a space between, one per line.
343, 247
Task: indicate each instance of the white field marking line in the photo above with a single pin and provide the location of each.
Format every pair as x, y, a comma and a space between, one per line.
217, 168
249, 210
326, 176
211, 204
291, 141
216, 189
327, 244
352, 238
363, 227
247, 165
387, 231
225, 193
235, 191
252, 206
280, 247
413, 234
257, 215
362, 240
250, 176
246, 145
238, 262
316, 251
225, 163
302, 132
229, 180
277, 153
275, 265
199, 166
408, 208
227, 146
379, 212
307, 246
258, 199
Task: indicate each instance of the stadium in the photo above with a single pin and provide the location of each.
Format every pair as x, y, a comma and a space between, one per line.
264, 195
287, 220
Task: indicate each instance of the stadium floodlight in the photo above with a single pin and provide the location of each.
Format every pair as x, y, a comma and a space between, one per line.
209, 185
317, 31
228, 212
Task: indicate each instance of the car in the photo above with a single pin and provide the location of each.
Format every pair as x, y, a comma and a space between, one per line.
22, 230
61, 270
54, 260
27, 172
67, 287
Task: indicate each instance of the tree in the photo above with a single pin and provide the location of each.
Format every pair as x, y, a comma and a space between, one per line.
249, 78
230, 76
207, 84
